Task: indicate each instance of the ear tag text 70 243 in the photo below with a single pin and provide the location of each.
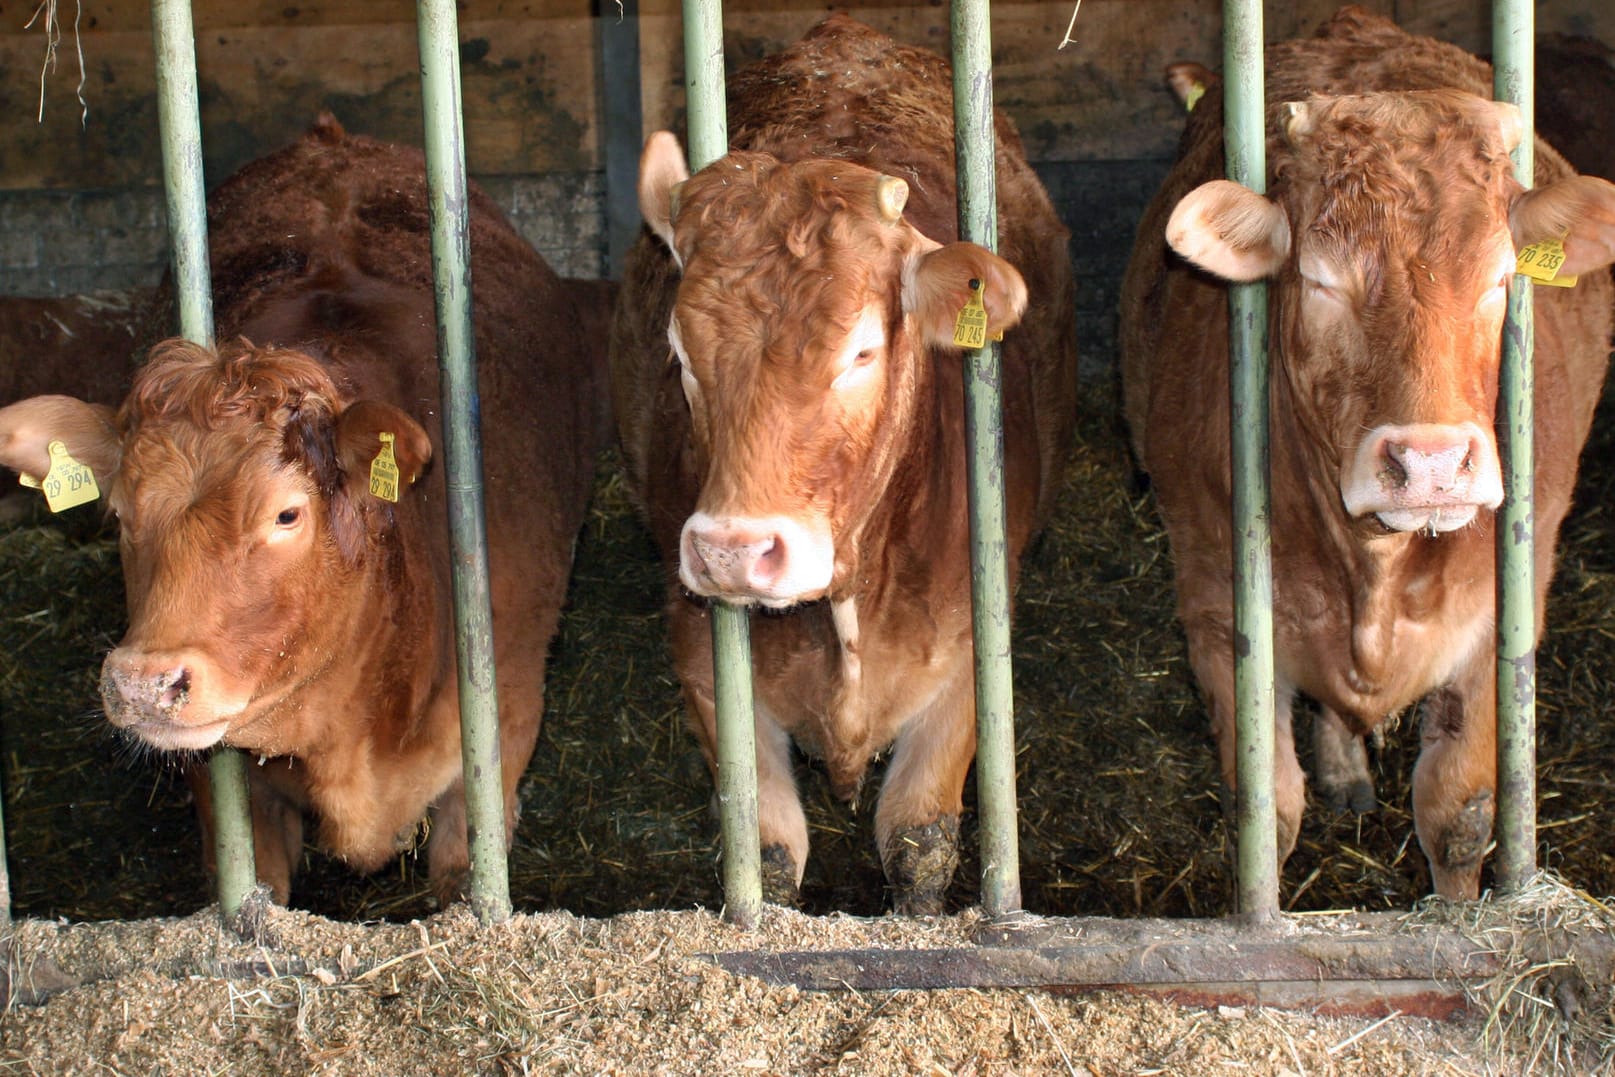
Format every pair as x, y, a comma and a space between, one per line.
970, 327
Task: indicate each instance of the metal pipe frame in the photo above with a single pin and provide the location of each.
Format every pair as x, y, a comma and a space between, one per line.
731, 627
1245, 143
179, 121
975, 150
447, 191
1513, 45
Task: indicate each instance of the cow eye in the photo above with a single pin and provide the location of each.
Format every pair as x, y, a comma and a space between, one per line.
288, 517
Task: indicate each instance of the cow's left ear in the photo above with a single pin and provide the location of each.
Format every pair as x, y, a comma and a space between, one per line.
1579, 210
1231, 231
359, 442
936, 287
662, 169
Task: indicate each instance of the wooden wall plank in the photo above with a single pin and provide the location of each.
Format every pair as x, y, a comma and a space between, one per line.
530, 73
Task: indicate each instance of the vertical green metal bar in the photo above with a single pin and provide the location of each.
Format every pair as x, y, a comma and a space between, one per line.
1245, 142
438, 30
178, 118
1513, 40
5, 879
623, 124
731, 639
984, 428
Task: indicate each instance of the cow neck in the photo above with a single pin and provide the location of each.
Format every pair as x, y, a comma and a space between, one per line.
909, 553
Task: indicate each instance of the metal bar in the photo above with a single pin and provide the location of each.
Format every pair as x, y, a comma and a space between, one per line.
617, 30
179, 121
1246, 148
489, 882
731, 643
1513, 40
975, 150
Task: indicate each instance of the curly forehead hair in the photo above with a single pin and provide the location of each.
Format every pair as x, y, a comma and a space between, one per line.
750, 206
209, 388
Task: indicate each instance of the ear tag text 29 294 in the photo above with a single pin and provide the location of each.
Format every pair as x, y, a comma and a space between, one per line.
384, 470
67, 483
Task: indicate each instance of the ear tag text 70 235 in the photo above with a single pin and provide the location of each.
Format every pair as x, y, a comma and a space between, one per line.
1541, 262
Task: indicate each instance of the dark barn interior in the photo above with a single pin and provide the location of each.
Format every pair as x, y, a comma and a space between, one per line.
1118, 791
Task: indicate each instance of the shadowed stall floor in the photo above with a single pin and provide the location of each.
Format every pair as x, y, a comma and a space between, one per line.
1119, 806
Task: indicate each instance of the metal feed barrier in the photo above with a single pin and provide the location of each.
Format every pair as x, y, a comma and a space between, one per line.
1206, 955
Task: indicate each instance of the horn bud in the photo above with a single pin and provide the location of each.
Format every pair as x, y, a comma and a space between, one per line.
891, 195
1297, 121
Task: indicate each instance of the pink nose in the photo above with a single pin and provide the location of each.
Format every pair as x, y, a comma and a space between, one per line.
736, 561
133, 691
1433, 468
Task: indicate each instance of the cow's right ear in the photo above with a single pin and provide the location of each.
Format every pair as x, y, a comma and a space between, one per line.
1231, 231
359, 431
28, 427
662, 169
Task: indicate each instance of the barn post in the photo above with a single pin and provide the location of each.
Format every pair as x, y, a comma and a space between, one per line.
181, 128
1245, 143
731, 630
975, 151
1513, 42
623, 124
438, 30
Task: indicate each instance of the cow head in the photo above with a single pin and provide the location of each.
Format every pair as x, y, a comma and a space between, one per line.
803, 327
1391, 240
240, 481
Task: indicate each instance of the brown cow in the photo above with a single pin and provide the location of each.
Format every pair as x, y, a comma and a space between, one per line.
1388, 239
278, 605
801, 446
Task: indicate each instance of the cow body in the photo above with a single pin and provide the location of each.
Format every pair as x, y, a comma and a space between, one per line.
801, 445
1390, 234
276, 604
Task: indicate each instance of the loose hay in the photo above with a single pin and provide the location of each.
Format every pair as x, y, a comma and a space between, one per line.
1119, 805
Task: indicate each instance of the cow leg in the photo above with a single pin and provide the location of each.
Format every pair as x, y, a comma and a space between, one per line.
781, 824
448, 848
917, 819
277, 828
1211, 655
1342, 779
1454, 779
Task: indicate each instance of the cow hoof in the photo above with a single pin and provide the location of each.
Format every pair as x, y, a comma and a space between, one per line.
779, 877
1357, 795
919, 864
1461, 845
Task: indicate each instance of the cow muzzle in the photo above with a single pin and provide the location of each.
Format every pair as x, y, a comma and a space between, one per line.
1423, 476
774, 561
168, 699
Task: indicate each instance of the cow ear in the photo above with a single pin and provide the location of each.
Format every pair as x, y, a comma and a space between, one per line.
662, 169
936, 288
1231, 231
28, 427
1579, 210
359, 442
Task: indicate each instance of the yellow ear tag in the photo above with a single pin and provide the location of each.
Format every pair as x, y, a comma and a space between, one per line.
68, 482
1541, 261
970, 328
1192, 98
384, 471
